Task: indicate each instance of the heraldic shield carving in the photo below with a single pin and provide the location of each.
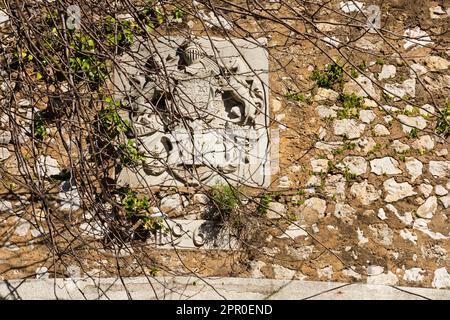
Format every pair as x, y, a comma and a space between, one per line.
199, 111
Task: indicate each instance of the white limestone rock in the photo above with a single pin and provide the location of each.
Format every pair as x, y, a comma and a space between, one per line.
374, 270
442, 153
437, 12
319, 165
316, 204
361, 86
313, 181
326, 272
348, 128
276, 210
200, 198
324, 94
414, 167
445, 201
4, 154
379, 131
397, 191
425, 189
3, 17
367, 144
382, 233
335, 186
417, 68
408, 123
366, 193
361, 239
6, 206
294, 231
367, 116
436, 63
344, 211
173, 203
46, 166
427, 110
389, 279
441, 279
325, 112
69, 200
282, 273
388, 71
414, 275
355, 165
408, 235
427, 209
400, 147
406, 219
440, 190
22, 227
424, 143
5, 136
416, 37
351, 6
381, 214
440, 169
386, 165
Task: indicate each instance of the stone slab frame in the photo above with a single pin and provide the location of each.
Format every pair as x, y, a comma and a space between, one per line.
248, 119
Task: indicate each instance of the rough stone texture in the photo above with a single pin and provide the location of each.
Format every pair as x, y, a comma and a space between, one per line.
355, 165
46, 166
348, 128
400, 147
4, 154
408, 123
361, 86
173, 203
365, 192
424, 143
319, 165
427, 209
380, 130
441, 279
367, 116
388, 71
387, 165
5, 136
396, 191
276, 210
440, 169
414, 167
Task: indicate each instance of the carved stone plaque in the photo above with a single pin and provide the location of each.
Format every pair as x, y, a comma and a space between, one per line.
199, 111
193, 234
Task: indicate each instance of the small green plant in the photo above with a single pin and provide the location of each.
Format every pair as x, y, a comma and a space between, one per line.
332, 74
375, 149
120, 33
225, 198
330, 167
414, 133
110, 122
129, 153
443, 123
354, 73
137, 210
39, 130
348, 175
264, 204
178, 14
362, 66
351, 104
84, 62
295, 96
379, 61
